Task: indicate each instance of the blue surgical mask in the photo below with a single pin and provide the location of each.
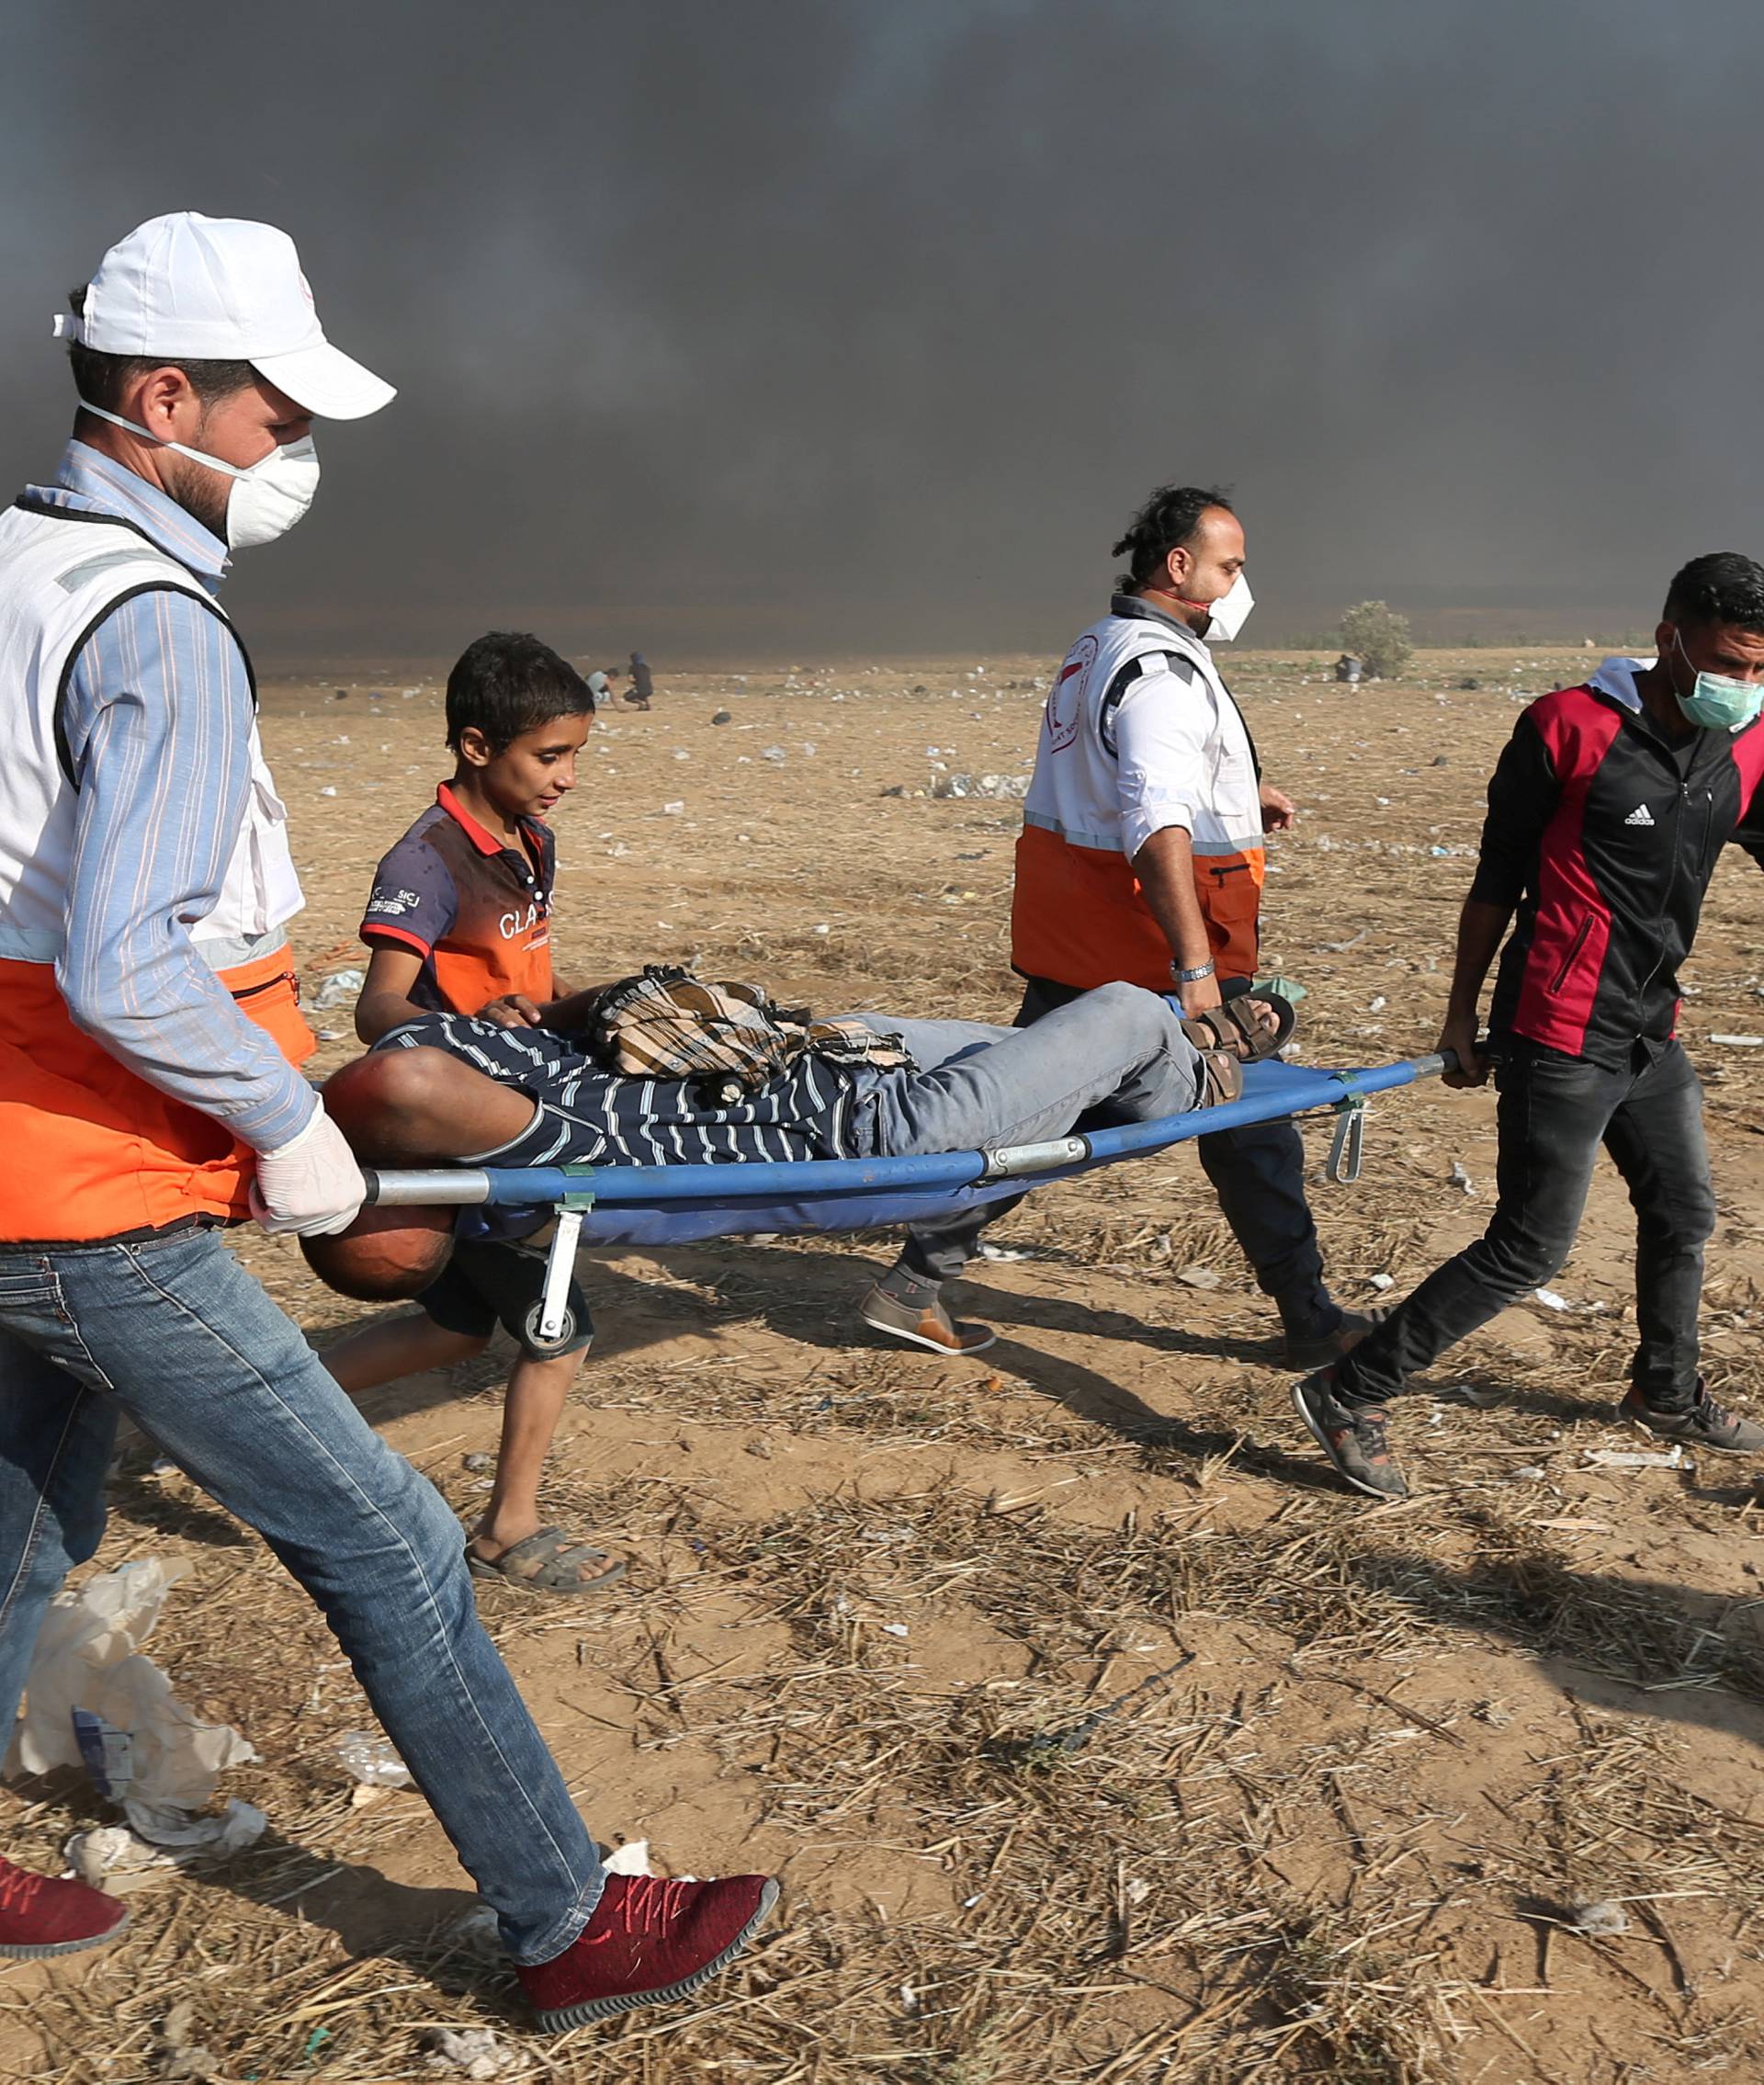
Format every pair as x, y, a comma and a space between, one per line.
1717, 703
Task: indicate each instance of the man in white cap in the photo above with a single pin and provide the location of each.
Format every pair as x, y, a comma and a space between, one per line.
149, 1036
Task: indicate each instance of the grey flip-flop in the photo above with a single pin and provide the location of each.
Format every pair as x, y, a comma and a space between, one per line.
557, 1562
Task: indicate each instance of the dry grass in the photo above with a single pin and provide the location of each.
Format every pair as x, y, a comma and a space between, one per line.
1096, 1737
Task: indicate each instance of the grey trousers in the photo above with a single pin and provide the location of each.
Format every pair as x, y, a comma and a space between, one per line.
1258, 1173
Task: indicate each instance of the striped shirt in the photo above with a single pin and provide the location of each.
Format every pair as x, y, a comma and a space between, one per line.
589, 1116
158, 715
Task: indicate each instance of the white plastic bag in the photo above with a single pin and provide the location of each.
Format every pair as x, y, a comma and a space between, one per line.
93, 1699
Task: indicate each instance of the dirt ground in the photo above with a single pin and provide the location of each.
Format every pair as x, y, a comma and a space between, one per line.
872, 1592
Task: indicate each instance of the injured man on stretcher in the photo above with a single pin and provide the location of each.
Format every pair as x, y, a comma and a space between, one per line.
450, 1089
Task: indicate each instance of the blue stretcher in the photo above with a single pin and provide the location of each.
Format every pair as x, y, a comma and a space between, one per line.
682, 1205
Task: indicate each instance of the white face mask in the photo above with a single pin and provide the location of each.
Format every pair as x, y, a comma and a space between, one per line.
268, 497
1230, 612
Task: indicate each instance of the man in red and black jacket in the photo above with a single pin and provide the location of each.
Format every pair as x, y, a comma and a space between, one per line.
1607, 814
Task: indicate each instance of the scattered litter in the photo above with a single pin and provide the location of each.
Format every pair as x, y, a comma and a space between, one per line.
1459, 1178
1638, 1458
338, 989
1136, 1890
1493, 1713
1478, 1395
1601, 1919
1381, 1282
1529, 1473
1739, 1042
479, 1933
722, 717
372, 1762
94, 1700
679, 752
894, 1629
673, 809
1199, 1278
110, 1851
991, 1251
1378, 1005
630, 1859
477, 2052
823, 928
202, 1837
330, 790
478, 1461
332, 1034
772, 753
1341, 947
1010, 786
174, 2055
809, 748
1553, 1299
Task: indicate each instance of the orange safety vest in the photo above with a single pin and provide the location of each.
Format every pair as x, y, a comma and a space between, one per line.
1078, 915
91, 1151
87, 1148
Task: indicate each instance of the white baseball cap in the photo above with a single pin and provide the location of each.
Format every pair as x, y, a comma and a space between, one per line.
221, 289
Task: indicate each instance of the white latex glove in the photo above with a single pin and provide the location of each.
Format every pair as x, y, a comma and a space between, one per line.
312, 1186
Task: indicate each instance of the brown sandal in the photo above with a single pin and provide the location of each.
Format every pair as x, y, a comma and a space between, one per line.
1238, 1027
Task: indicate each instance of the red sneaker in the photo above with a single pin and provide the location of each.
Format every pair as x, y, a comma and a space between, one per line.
39, 1915
648, 1940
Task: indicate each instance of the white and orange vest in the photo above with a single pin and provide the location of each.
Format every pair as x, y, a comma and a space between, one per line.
92, 1151
1078, 914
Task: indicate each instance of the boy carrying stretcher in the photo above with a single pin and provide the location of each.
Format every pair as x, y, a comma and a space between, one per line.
459, 921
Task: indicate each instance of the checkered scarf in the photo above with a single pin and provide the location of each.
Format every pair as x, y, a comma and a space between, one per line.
728, 1038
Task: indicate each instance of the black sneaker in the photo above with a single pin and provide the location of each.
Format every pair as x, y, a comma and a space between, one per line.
1316, 1350
1353, 1436
1705, 1424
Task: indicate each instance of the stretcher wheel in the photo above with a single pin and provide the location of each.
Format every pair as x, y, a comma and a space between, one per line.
530, 1331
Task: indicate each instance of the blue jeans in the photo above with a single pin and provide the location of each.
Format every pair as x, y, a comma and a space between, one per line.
175, 1332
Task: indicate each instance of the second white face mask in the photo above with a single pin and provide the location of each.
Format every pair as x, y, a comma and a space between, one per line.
268, 497
1230, 612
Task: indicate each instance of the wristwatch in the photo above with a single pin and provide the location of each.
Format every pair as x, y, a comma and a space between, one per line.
1191, 977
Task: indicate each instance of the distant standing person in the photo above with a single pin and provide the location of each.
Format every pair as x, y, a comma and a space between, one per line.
1607, 813
642, 682
1141, 862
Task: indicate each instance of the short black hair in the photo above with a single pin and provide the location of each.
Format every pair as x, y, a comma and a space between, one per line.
506, 683
1169, 517
1721, 587
101, 379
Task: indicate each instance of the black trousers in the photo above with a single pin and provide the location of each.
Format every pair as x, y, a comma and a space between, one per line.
1257, 1173
1555, 1113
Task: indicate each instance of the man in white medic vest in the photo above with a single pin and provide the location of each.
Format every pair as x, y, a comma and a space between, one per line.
149, 1095
1141, 862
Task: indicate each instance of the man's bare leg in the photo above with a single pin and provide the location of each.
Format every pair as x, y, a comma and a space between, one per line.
410, 1345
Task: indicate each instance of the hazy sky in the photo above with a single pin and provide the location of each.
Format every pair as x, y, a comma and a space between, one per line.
729, 329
